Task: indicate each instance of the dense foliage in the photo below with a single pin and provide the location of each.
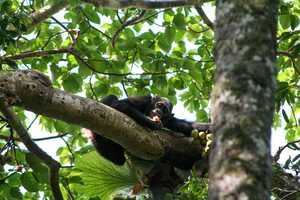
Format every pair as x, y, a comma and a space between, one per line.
94, 51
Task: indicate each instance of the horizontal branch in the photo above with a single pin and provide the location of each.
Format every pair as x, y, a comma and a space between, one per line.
33, 91
144, 4
32, 54
49, 10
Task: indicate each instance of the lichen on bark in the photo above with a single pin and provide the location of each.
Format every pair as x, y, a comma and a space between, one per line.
243, 99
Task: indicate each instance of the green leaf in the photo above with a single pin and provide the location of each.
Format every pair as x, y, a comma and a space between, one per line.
164, 43
296, 51
168, 16
179, 21
72, 83
170, 33
74, 2
91, 14
14, 181
39, 168
29, 182
294, 21
102, 178
284, 21
5, 191
16, 193
178, 83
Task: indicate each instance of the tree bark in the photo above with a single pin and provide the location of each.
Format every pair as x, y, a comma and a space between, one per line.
33, 91
243, 99
49, 10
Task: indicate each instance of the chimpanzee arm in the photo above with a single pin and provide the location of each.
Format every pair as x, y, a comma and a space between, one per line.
140, 102
186, 127
134, 107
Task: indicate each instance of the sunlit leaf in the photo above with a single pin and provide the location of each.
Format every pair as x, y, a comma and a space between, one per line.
102, 178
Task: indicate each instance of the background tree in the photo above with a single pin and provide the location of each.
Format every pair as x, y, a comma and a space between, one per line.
243, 100
92, 50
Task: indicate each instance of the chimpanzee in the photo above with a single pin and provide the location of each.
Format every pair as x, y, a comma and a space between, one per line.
152, 112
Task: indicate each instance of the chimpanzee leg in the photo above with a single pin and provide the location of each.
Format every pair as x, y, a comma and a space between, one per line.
106, 147
109, 149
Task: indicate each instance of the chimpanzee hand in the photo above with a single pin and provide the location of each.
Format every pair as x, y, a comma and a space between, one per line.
155, 123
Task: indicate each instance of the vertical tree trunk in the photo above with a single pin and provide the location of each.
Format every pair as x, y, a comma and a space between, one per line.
243, 99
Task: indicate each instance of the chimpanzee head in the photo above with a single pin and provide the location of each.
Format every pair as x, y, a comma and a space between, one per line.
161, 108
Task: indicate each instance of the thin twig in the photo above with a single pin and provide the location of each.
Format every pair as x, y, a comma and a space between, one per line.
277, 155
96, 29
50, 138
124, 25
31, 123
284, 53
289, 194
293, 113
121, 74
91, 26
30, 54
70, 150
3, 137
206, 20
91, 87
124, 88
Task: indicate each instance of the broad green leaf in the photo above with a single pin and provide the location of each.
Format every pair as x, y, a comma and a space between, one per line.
294, 21
178, 83
285, 21
91, 14
102, 178
101, 88
202, 115
168, 16
72, 83
16, 193
170, 33
29, 182
14, 181
39, 168
164, 43
179, 21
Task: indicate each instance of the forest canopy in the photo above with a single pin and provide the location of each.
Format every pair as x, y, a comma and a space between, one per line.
125, 48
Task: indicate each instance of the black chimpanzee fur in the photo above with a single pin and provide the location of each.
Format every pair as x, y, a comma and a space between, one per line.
152, 112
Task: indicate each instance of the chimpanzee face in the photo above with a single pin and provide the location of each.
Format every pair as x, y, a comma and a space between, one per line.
161, 108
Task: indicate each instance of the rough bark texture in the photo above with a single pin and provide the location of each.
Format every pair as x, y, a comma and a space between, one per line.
243, 99
33, 91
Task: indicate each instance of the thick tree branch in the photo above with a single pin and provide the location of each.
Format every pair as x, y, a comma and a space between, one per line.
33, 91
146, 4
32, 147
124, 25
47, 11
